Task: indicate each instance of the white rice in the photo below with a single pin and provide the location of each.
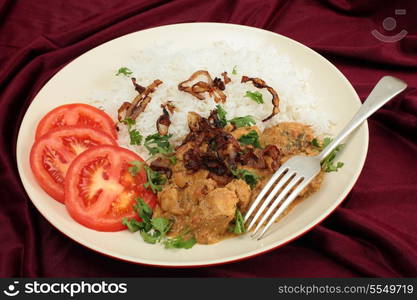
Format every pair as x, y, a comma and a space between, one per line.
172, 66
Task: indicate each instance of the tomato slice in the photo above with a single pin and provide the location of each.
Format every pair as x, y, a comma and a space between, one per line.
77, 114
52, 154
100, 190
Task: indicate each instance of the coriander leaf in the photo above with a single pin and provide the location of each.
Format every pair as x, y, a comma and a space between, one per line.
161, 224
255, 96
125, 71
135, 168
155, 180
157, 143
328, 163
150, 238
315, 143
234, 70
129, 122
221, 115
134, 134
144, 210
252, 138
243, 121
239, 227
135, 137
250, 178
153, 230
132, 224
179, 242
326, 142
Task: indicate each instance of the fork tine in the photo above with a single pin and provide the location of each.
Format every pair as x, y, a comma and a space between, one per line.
265, 189
284, 205
277, 200
277, 187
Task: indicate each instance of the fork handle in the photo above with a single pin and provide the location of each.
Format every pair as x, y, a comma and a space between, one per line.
386, 89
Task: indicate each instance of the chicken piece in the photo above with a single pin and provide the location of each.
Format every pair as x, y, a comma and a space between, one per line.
213, 215
242, 191
289, 137
198, 189
180, 201
170, 200
220, 202
181, 176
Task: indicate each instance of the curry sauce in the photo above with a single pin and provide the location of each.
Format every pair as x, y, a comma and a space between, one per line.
203, 192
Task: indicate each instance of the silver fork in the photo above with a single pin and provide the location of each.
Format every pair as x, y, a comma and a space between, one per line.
297, 172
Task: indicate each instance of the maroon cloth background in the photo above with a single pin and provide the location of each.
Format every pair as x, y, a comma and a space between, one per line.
373, 233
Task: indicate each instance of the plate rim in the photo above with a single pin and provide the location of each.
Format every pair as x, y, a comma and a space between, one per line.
229, 259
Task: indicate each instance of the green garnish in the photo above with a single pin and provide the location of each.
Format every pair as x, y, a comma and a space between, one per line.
250, 178
243, 121
234, 70
328, 164
238, 121
180, 242
134, 134
135, 137
153, 230
239, 227
326, 142
252, 138
132, 224
315, 143
161, 224
157, 143
135, 167
221, 115
129, 122
124, 71
145, 213
158, 228
150, 237
155, 180
255, 96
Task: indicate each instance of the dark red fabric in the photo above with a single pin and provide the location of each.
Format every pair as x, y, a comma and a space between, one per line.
373, 233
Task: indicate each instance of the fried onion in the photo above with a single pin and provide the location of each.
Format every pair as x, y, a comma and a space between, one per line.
139, 103
226, 78
140, 89
212, 148
260, 84
213, 87
163, 122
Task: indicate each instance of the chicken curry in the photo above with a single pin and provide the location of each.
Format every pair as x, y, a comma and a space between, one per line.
219, 171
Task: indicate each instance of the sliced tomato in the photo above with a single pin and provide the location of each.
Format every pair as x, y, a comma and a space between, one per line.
100, 191
77, 114
52, 154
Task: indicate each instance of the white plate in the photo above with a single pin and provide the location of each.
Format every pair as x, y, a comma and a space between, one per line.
77, 79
